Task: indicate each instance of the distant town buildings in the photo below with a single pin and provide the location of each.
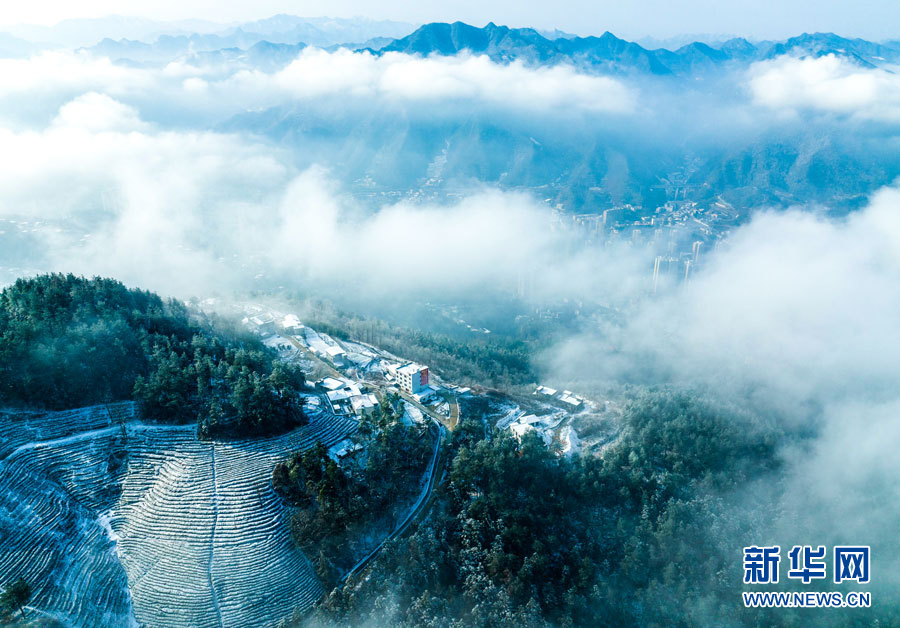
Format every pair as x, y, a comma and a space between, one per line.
675, 230
618, 215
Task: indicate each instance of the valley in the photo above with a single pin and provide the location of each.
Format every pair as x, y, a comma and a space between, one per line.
449, 318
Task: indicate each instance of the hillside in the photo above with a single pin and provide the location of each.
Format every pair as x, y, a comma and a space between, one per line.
114, 521
117, 514
67, 341
690, 110
582, 166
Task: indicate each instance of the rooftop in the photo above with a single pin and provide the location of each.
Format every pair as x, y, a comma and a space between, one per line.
409, 369
343, 449
330, 383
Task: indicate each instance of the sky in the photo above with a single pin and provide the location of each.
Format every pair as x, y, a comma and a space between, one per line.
871, 19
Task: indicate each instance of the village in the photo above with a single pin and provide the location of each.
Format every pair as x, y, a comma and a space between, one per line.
351, 378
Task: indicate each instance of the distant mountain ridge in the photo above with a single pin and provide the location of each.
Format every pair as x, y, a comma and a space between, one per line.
139, 38
608, 52
277, 34
270, 43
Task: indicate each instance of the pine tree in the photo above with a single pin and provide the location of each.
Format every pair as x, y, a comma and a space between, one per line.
16, 596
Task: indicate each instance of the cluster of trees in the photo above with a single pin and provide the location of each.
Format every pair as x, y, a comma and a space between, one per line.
328, 505
68, 341
522, 537
336, 507
229, 391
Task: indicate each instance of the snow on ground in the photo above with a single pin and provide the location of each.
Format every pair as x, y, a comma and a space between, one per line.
49, 532
412, 415
364, 358
279, 343
512, 414
315, 341
19, 428
569, 439
147, 525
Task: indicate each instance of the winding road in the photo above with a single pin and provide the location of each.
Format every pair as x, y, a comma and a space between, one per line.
443, 425
415, 511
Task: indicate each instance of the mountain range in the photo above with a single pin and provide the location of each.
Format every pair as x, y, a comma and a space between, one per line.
273, 41
139, 34
504, 44
386, 151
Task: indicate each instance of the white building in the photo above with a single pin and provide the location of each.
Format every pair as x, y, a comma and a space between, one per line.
337, 354
425, 395
544, 390
262, 324
412, 378
571, 399
364, 405
291, 324
330, 383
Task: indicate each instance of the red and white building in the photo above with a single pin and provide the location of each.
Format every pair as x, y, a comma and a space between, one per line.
412, 378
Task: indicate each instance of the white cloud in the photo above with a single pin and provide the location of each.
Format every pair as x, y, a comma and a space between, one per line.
796, 319
488, 240
314, 77
403, 78
52, 72
801, 305
826, 84
98, 112
801, 308
187, 212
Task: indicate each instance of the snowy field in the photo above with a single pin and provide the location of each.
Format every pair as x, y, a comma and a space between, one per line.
146, 525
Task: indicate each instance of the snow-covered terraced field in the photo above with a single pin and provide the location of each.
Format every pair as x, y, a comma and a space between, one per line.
31, 428
144, 524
